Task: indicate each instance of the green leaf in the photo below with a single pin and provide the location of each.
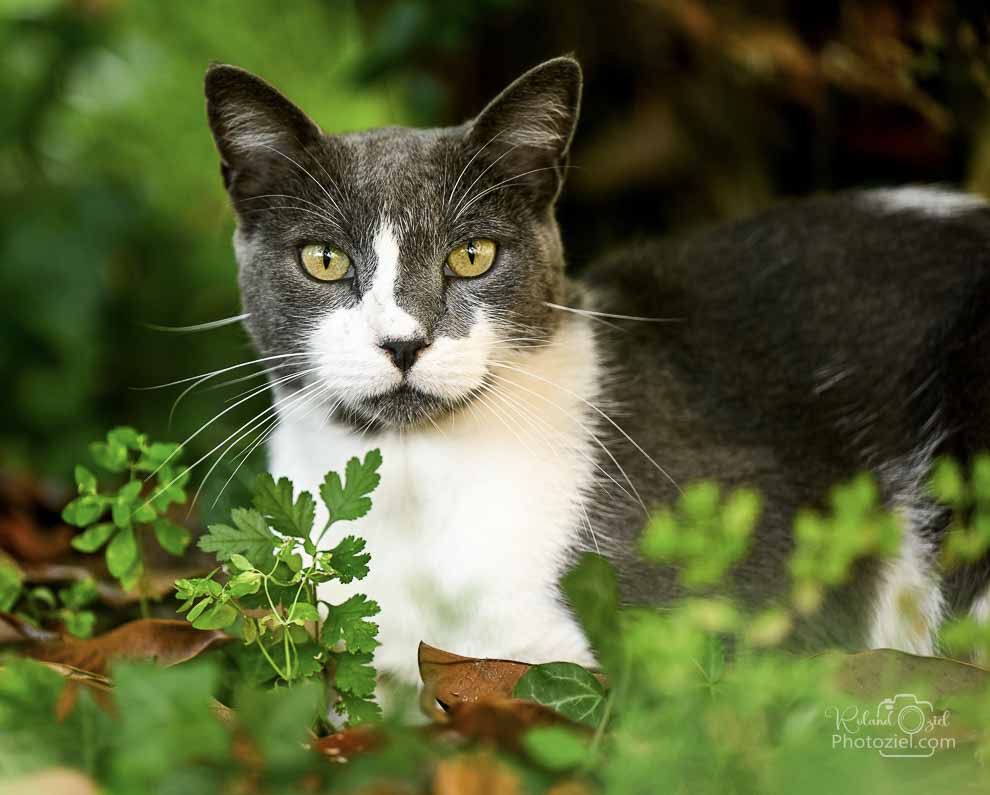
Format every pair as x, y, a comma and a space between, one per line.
353, 673
349, 501
274, 500
349, 560
10, 587
346, 622
79, 594
250, 537
171, 537
126, 437
359, 709
85, 510
218, 617
130, 491
112, 458
79, 623
94, 538
302, 612
85, 480
241, 562
556, 748
199, 607
245, 583
120, 510
156, 455
122, 553
565, 687
593, 592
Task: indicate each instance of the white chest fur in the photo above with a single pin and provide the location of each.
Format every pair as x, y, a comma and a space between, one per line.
475, 520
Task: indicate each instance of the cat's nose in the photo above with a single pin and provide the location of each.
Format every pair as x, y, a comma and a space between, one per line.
404, 352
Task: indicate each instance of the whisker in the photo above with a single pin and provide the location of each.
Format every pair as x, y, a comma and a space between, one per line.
227, 321
304, 171
466, 167
592, 314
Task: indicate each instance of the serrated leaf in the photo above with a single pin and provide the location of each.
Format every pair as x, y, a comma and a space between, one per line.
346, 622
85, 510
349, 560
358, 709
349, 501
353, 673
565, 687
274, 500
250, 537
171, 537
94, 538
122, 553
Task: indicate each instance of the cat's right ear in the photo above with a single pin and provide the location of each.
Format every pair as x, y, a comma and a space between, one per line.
257, 131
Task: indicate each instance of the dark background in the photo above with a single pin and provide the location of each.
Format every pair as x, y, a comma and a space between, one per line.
113, 217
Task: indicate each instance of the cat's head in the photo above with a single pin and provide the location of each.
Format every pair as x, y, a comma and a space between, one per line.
400, 263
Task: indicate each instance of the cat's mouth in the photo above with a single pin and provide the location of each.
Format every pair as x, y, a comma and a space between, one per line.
402, 406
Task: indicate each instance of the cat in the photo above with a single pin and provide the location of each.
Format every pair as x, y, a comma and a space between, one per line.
413, 284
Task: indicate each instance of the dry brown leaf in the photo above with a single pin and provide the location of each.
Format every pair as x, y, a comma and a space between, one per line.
503, 721
452, 679
344, 745
475, 774
872, 676
26, 541
165, 642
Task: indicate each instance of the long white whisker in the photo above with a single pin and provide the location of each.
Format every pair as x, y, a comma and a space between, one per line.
304, 171
453, 190
590, 313
212, 324
490, 166
604, 416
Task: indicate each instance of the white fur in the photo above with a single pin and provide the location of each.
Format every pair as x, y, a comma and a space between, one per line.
474, 520
927, 200
909, 606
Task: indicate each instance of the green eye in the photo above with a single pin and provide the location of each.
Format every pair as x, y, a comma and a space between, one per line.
323, 262
472, 258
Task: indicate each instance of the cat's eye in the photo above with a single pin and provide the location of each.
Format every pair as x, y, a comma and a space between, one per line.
326, 263
472, 258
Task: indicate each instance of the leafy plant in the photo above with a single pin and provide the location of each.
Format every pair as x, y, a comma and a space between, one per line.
40, 605
271, 591
121, 518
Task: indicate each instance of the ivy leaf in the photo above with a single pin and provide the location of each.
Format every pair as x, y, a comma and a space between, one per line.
94, 538
274, 500
353, 673
350, 500
250, 537
122, 553
346, 622
85, 510
358, 709
565, 687
349, 560
172, 537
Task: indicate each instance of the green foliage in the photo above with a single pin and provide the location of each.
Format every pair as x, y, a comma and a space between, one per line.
703, 535
568, 688
39, 605
263, 552
136, 508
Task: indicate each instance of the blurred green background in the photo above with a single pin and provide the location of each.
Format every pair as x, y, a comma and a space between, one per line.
113, 217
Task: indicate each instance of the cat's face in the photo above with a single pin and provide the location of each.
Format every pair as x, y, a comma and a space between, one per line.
400, 263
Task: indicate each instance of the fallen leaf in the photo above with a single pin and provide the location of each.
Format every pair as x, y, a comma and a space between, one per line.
503, 721
452, 679
26, 541
163, 641
344, 745
475, 774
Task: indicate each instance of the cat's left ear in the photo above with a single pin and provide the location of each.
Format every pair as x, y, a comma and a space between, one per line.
528, 128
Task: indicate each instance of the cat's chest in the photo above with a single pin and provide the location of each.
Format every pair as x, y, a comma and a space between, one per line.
469, 534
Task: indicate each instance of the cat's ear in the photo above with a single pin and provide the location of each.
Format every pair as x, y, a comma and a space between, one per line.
529, 126
257, 131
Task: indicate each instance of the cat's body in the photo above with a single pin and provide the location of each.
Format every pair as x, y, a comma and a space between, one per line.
799, 347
